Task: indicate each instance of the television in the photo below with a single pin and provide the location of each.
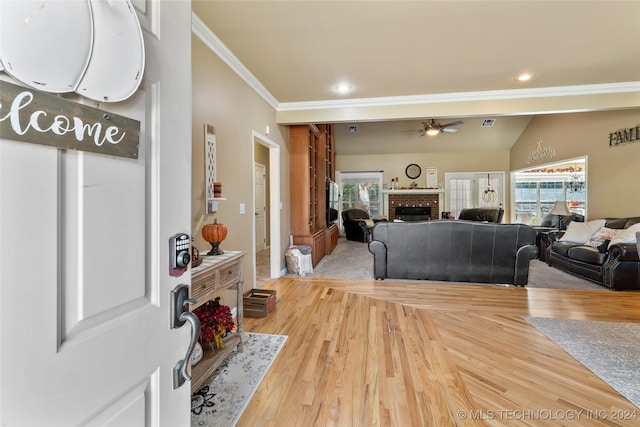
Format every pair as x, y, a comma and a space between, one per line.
333, 202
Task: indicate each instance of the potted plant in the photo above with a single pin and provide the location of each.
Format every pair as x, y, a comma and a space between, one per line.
216, 321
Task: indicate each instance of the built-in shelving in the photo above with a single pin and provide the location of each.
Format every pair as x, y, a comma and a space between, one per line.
312, 162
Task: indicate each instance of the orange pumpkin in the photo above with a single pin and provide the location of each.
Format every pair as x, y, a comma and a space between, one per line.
214, 233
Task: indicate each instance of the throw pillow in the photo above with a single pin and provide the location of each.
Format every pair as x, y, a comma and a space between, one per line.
627, 235
604, 246
368, 222
581, 232
601, 235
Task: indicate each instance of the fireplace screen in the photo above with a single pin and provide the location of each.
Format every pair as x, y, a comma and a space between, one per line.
413, 213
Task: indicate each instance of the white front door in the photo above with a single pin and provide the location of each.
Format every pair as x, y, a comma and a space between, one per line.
260, 206
84, 265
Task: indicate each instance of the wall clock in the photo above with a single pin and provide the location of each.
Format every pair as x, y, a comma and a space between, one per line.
413, 171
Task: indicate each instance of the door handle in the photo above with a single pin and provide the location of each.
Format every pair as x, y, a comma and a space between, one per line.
179, 316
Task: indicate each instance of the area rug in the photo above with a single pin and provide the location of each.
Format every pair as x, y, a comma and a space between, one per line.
610, 350
225, 395
352, 260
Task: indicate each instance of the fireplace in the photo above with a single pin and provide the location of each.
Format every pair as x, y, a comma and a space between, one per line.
412, 213
427, 202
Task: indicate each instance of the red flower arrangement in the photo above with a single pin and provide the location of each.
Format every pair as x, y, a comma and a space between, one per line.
216, 321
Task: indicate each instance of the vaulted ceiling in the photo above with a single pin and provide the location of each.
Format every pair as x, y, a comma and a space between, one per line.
408, 61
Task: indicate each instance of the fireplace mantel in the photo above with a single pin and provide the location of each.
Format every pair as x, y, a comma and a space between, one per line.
415, 191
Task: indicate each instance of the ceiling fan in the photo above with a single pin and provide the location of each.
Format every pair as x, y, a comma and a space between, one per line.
433, 127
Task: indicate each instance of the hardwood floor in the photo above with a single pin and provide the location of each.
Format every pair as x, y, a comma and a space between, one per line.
417, 354
263, 259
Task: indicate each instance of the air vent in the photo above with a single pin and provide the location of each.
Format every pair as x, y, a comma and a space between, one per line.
487, 123
352, 128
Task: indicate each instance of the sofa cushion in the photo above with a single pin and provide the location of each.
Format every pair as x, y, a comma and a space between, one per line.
621, 223
627, 235
581, 232
631, 221
601, 235
562, 248
587, 254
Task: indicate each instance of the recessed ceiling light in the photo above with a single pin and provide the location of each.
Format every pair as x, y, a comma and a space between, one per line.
343, 88
524, 77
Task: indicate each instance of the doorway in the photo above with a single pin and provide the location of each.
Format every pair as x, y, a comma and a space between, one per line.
474, 190
267, 265
360, 190
261, 212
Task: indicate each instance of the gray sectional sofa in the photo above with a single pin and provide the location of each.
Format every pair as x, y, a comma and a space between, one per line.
457, 251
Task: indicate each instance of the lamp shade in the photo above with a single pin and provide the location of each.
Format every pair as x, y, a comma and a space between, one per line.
560, 208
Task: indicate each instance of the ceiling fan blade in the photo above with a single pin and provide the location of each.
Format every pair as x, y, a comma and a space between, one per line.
449, 130
459, 122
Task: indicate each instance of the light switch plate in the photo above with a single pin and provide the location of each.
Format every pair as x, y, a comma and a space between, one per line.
242, 208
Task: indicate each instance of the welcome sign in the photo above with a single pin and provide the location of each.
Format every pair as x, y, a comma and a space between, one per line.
28, 115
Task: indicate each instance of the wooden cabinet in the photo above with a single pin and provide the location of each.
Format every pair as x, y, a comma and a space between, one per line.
312, 163
331, 239
216, 273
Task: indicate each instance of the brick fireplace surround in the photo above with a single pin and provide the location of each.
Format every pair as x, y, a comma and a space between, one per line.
414, 199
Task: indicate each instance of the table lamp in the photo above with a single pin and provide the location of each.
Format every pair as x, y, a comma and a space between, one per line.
561, 209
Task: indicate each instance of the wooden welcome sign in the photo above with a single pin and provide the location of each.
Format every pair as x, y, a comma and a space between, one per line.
28, 115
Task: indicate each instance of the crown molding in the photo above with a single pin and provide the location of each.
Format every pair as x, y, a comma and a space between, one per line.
609, 88
216, 45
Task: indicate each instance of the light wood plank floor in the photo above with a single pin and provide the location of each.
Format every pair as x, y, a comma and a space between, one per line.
367, 353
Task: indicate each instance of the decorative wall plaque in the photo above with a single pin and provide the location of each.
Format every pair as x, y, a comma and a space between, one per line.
541, 153
624, 136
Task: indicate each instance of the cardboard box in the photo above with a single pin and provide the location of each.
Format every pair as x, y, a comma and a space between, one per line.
259, 302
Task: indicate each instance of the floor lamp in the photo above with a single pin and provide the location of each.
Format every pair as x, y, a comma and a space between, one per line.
561, 209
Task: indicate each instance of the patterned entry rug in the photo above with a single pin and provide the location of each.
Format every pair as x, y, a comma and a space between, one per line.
610, 350
223, 397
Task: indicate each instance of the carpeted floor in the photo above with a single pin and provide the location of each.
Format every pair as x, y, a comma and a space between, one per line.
352, 260
222, 399
610, 350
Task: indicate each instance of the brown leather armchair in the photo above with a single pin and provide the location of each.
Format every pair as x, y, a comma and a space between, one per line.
482, 214
355, 227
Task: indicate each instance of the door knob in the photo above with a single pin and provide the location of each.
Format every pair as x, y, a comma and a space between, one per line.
179, 316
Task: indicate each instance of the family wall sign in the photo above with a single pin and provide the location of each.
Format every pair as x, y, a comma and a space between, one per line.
31, 116
624, 136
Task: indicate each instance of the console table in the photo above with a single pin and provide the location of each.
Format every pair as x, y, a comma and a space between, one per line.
217, 273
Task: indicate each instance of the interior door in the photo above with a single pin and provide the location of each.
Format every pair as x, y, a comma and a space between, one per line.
260, 206
84, 238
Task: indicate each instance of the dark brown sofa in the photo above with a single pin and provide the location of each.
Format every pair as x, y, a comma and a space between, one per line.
454, 251
615, 266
